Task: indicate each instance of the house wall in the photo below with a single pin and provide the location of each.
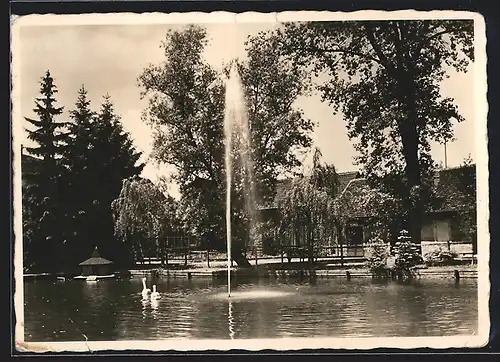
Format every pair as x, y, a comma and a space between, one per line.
441, 233
436, 230
461, 248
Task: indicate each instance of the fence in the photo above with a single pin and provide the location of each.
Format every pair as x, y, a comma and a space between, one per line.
183, 251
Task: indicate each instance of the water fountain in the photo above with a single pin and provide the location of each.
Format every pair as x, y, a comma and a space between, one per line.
237, 137
237, 140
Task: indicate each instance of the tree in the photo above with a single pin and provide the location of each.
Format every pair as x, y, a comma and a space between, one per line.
187, 112
308, 209
187, 117
98, 157
384, 76
143, 219
41, 196
383, 212
115, 159
279, 130
79, 182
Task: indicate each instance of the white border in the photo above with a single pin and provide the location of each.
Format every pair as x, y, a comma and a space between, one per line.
480, 113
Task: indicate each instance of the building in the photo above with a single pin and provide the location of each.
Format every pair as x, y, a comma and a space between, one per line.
450, 224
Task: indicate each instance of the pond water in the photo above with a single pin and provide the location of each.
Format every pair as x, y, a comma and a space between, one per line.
199, 309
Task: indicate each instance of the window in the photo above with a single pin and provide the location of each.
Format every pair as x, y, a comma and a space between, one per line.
354, 235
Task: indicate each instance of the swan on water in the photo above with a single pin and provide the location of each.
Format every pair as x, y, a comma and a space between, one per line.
145, 289
155, 295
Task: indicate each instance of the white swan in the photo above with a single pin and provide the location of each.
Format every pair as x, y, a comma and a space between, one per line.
145, 289
155, 295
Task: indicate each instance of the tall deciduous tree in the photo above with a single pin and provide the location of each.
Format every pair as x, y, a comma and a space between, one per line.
187, 110
186, 113
279, 130
385, 76
41, 196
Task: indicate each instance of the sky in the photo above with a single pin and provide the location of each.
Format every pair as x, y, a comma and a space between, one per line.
108, 59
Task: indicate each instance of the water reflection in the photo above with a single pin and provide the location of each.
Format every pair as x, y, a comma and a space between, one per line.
155, 303
114, 310
145, 303
230, 320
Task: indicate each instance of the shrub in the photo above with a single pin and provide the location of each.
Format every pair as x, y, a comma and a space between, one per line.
407, 256
376, 254
440, 257
400, 262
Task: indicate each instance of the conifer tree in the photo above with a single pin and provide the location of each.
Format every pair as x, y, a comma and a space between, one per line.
99, 156
115, 156
78, 195
41, 192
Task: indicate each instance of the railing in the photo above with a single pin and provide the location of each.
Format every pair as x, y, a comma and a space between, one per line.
190, 254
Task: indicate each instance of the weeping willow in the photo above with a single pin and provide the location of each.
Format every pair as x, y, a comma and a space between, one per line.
143, 217
308, 214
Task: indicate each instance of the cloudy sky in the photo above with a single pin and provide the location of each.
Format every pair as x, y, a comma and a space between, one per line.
109, 58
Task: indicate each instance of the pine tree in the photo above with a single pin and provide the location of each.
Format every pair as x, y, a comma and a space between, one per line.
99, 156
79, 178
42, 180
114, 153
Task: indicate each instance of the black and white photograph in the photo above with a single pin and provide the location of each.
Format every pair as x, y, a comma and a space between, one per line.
218, 181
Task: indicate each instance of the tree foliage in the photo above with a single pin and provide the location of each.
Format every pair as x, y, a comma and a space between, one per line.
400, 261
187, 118
376, 254
70, 184
279, 131
99, 155
385, 76
308, 206
41, 181
143, 219
186, 110
383, 212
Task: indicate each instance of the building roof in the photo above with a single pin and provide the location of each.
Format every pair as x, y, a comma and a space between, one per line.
355, 197
455, 190
95, 259
344, 178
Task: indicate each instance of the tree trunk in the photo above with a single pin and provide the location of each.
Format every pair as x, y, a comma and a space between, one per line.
311, 244
240, 259
340, 239
408, 129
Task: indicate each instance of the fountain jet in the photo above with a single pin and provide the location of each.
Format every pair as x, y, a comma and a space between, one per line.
237, 142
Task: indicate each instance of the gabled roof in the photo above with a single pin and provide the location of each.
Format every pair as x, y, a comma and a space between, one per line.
455, 189
344, 178
95, 259
355, 196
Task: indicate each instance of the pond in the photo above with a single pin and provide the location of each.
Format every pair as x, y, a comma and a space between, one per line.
113, 310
